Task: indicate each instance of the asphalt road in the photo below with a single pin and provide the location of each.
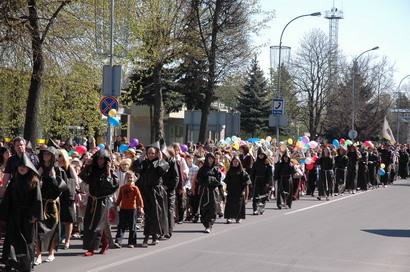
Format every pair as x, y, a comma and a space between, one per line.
368, 231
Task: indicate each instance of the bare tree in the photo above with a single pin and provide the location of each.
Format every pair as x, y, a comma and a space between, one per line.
310, 71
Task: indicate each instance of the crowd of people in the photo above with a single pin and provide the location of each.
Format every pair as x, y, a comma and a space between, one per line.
62, 190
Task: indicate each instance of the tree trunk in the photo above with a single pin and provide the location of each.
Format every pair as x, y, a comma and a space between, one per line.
158, 104
33, 101
203, 130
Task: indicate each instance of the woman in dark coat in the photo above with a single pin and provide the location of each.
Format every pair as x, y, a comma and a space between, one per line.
261, 176
284, 171
171, 180
373, 164
53, 183
352, 168
68, 214
237, 185
341, 161
102, 184
209, 181
325, 184
403, 163
152, 172
363, 171
21, 208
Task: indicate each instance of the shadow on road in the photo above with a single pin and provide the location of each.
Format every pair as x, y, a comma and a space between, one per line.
188, 231
390, 232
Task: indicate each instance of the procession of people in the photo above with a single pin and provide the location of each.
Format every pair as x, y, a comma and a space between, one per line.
64, 190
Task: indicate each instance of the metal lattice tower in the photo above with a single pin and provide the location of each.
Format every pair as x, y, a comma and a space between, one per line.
334, 15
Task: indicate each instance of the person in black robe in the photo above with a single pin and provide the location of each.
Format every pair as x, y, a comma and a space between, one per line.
152, 172
246, 161
21, 208
102, 183
352, 168
261, 176
341, 162
283, 174
373, 165
325, 184
209, 181
53, 183
386, 157
171, 180
362, 173
403, 163
237, 182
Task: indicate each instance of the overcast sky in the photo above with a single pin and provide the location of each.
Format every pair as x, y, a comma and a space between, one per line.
366, 24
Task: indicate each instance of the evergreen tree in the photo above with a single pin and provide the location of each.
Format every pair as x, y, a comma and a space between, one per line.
253, 101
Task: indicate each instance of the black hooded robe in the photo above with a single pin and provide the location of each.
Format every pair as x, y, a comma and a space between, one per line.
20, 208
101, 187
155, 197
48, 229
209, 180
236, 183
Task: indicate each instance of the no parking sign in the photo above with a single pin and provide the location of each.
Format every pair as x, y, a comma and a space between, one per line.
108, 103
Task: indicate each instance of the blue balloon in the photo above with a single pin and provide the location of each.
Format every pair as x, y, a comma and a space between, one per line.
381, 172
101, 146
123, 148
114, 121
336, 143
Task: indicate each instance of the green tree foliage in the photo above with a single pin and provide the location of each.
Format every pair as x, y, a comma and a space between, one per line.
253, 102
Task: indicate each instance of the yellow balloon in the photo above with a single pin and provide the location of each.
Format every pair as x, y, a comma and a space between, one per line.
112, 112
40, 141
262, 141
382, 165
290, 141
269, 139
235, 146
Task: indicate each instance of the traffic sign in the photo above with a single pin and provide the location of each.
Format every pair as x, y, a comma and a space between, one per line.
278, 106
352, 134
108, 103
111, 80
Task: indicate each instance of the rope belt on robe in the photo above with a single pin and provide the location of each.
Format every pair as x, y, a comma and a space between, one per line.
94, 207
54, 208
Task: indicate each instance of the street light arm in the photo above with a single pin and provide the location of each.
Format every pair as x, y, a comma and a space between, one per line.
300, 16
280, 42
401, 81
374, 48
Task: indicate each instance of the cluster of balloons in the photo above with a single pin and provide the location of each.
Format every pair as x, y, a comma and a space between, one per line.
113, 120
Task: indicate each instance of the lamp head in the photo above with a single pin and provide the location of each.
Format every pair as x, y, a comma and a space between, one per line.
375, 48
315, 14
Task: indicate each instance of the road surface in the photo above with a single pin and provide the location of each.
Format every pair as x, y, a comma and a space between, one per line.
366, 232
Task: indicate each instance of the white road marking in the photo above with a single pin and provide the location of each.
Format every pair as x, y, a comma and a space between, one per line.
327, 202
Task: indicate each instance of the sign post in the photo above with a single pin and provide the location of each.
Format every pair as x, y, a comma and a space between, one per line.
278, 110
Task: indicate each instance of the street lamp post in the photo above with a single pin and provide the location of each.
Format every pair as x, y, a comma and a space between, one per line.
279, 62
397, 108
353, 84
